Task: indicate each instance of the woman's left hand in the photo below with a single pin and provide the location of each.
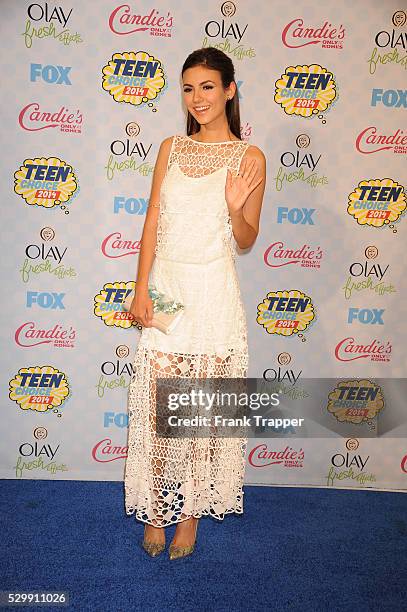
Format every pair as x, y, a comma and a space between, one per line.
238, 188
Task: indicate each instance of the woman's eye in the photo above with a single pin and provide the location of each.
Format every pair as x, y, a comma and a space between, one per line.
208, 87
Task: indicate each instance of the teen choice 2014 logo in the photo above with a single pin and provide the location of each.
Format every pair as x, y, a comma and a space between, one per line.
377, 202
306, 91
109, 304
39, 388
286, 312
45, 181
355, 401
135, 78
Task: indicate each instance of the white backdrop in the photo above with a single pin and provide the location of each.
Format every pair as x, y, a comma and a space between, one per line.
61, 251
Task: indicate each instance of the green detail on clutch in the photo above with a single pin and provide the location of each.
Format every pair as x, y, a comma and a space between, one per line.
161, 303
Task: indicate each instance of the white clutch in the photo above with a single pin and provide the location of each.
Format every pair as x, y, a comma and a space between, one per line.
166, 311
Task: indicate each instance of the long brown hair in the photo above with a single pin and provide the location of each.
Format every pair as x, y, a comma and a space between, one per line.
213, 58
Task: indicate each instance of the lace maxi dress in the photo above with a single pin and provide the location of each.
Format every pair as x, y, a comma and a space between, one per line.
169, 480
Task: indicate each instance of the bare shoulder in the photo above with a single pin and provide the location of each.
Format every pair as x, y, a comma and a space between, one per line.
166, 143
164, 152
254, 152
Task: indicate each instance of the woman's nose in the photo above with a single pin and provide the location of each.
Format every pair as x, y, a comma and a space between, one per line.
197, 96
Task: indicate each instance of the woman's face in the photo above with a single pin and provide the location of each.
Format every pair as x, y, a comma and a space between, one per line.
204, 95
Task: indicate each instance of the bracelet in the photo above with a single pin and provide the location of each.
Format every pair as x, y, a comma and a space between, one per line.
154, 205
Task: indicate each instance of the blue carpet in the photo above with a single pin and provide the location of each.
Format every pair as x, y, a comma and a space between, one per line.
293, 549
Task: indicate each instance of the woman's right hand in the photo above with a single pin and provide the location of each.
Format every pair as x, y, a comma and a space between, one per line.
142, 307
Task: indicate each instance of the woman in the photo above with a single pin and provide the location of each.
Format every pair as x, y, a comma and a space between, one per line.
207, 189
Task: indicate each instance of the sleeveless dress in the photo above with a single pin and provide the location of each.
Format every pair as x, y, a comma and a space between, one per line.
168, 480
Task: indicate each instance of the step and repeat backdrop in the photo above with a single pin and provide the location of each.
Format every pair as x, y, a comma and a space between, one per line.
91, 90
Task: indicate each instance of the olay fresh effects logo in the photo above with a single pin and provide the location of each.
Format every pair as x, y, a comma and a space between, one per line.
228, 34
348, 468
39, 388
302, 164
377, 202
38, 456
282, 374
48, 20
30, 334
134, 78
285, 380
278, 255
34, 118
46, 181
286, 312
115, 374
261, 456
368, 275
114, 246
355, 401
45, 257
123, 20
109, 304
129, 154
296, 35
350, 349
391, 44
370, 140
105, 451
306, 91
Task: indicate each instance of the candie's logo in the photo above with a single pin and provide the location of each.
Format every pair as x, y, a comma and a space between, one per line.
305, 91
377, 202
39, 388
355, 401
296, 35
134, 78
261, 456
45, 182
123, 21
33, 118
105, 451
285, 312
109, 304
114, 246
278, 255
349, 350
29, 334
370, 140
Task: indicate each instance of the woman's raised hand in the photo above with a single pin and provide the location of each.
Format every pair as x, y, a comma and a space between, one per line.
238, 188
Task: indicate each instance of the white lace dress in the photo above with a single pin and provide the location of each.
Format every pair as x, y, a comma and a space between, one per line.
168, 480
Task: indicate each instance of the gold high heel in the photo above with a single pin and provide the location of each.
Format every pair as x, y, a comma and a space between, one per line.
152, 548
176, 552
